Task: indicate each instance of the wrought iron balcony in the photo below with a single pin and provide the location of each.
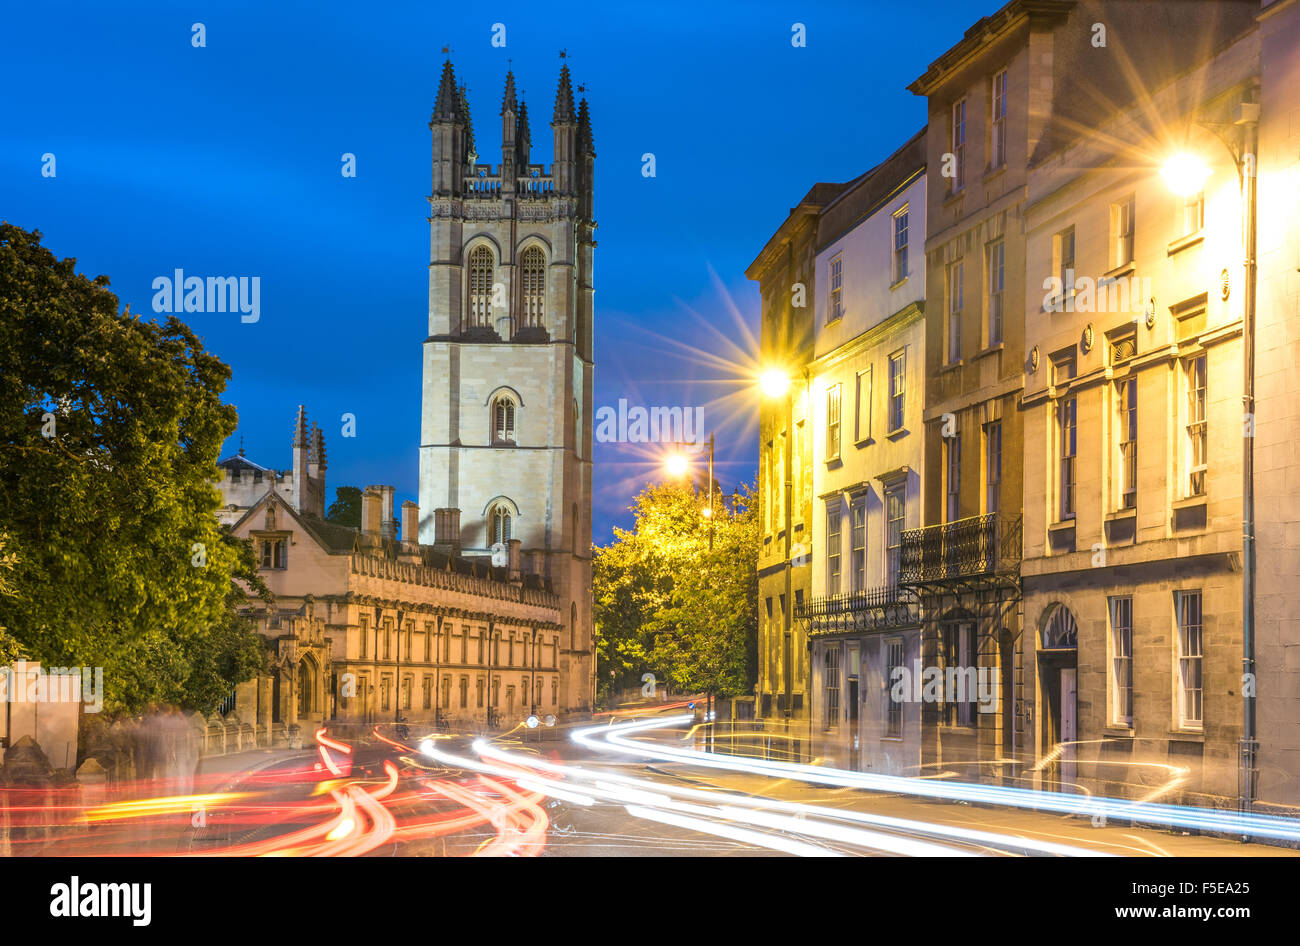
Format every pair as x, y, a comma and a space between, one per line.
874, 609
978, 547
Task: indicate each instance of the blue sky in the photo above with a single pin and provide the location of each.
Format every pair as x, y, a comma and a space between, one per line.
225, 160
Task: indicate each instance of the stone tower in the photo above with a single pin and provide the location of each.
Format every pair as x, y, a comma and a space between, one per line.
506, 419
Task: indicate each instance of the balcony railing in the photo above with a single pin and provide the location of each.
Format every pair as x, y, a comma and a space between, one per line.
975, 547
874, 609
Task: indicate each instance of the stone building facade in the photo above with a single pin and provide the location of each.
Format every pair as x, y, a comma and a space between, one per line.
506, 422
369, 625
867, 465
1133, 419
787, 276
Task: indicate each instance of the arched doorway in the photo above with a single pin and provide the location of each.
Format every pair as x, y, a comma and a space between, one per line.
306, 687
1058, 684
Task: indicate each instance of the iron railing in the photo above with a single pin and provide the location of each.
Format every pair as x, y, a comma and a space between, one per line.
874, 609
975, 547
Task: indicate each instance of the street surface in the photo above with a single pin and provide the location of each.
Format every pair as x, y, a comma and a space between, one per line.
639, 783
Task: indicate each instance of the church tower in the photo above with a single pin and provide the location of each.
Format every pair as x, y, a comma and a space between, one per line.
506, 419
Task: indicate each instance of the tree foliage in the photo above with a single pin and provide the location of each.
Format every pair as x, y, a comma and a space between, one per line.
346, 508
667, 604
110, 428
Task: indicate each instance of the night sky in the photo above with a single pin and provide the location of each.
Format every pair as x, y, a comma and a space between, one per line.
225, 160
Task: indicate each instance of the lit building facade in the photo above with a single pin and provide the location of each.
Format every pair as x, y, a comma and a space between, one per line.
866, 383
787, 276
1132, 459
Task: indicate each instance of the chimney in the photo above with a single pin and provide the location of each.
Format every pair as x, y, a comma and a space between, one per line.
446, 531
512, 551
410, 526
388, 524
371, 515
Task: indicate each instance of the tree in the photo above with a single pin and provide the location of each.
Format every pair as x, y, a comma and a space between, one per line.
110, 428
346, 508
667, 604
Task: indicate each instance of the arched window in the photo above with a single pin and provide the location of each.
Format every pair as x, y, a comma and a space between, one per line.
499, 524
480, 287
533, 271
1060, 632
503, 419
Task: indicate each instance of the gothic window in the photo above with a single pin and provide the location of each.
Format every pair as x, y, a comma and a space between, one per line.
480, 287
499, 524
273, 553
533, 267
503, 419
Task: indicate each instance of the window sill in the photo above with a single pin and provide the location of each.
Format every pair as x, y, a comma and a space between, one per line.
985, 352
959, 729
834, 462
1182, 243
1119, 732
1121, 514
1186, 735
865, 442
1065, 525
950, 366
1191, 502
897, 739
896, 433
504, 443
1119, 272
830, 322
991, 173
894, 285
954, 195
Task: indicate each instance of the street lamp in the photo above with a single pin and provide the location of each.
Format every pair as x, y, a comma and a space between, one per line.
1186, 174
677, 464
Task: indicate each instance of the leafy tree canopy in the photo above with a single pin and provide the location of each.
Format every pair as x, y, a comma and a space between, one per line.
110, 428
667, 604
346, 508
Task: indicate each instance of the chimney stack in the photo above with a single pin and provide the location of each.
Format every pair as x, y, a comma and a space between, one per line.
371, 515
410, 526
388, 524
446, 531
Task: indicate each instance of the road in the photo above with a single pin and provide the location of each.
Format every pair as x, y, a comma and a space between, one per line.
634, 785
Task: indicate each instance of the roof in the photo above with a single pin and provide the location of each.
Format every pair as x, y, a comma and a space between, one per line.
818, 196
240, 462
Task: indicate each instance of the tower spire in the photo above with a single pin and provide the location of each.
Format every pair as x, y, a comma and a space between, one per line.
508, 99
300, 428
585, 143
447, 106
563, 99
469, 125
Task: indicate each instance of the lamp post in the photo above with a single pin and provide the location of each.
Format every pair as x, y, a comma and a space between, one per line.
1185, 175
397, 697
677, 465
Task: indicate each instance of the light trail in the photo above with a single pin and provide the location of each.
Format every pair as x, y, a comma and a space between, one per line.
802, 810
613, 739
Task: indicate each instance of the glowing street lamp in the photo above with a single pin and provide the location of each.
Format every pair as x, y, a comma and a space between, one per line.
774, 382
676, 464
1185, 174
